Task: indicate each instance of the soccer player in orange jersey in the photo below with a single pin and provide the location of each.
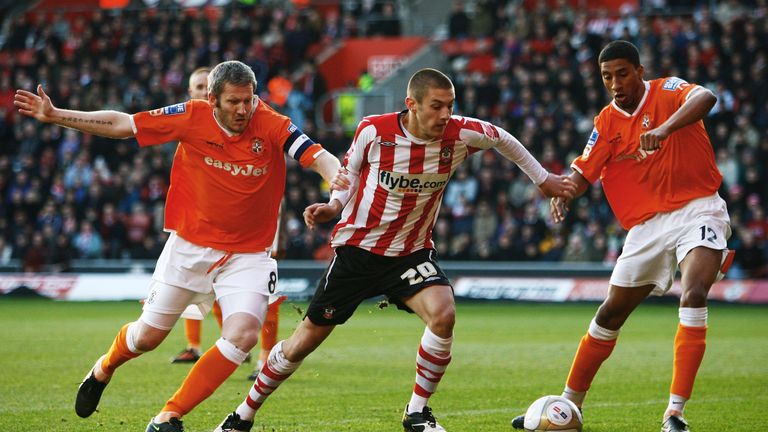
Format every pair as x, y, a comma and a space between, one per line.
227, 180
654, 158
198, 89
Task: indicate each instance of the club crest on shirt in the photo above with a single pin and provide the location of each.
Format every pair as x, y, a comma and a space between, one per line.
646, 121
257, 146
446, 156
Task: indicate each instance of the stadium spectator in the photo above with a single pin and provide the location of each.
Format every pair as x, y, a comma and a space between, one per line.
394, 257
211, 252
458, 21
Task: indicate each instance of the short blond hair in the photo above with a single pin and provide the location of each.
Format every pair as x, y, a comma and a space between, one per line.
426, 79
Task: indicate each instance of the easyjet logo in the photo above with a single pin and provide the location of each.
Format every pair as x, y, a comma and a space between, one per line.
235, 169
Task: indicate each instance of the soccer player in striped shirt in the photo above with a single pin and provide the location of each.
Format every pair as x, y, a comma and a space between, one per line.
396, 171
227, 181
654, 158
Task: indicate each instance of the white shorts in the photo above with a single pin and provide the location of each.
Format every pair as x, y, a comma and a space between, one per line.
190, 275
654, 249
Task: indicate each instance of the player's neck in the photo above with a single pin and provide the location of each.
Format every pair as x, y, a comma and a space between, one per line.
409, 122
226, 130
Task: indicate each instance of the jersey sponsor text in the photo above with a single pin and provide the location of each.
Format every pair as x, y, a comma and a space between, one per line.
412, 183
235, 169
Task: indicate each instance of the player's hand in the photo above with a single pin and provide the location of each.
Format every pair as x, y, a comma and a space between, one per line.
558, 186
340, 181
38, 106
320, 213
651, 140
558, 207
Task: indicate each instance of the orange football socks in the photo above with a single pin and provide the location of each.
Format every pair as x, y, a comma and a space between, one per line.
690, 343
192, 331
269, 329
118, 353
203, 379
590, 355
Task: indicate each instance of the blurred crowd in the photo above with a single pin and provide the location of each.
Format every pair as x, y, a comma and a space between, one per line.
67, 195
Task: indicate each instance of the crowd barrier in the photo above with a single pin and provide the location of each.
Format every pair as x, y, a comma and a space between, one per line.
534, 282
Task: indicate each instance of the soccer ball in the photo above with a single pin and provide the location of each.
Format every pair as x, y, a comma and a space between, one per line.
553, 413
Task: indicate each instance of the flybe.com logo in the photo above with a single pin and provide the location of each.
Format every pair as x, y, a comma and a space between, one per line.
412, 183
235, 169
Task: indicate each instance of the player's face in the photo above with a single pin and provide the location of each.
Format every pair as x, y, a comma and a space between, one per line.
624, 82
433, 112
198, 86
234, 106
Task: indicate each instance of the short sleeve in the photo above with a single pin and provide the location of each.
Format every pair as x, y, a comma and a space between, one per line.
297, 144
679, 89
163, 125
596, 153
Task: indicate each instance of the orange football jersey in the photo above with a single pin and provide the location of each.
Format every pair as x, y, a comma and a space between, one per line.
225, 189
637, 183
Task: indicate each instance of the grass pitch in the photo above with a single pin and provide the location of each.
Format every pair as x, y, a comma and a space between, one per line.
505, 356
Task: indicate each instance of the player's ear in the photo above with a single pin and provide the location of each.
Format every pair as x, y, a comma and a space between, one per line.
211, 99
641, 71
410, 103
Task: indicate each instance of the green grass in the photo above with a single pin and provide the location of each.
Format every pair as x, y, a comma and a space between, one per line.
505, 356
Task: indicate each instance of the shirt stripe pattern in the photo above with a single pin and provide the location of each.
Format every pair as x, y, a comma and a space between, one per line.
402, 182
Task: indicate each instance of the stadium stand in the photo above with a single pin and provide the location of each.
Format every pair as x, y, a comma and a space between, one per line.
527, 66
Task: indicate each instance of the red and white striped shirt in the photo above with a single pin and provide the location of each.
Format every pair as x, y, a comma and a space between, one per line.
398, 180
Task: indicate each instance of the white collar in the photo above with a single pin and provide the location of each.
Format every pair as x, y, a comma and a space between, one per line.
640, 105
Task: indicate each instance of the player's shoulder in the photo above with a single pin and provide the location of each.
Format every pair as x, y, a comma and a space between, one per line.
180, 109
266, 118
459, 122
265, 113
671, 83
379, 125
381, 121
603, 118
199, 105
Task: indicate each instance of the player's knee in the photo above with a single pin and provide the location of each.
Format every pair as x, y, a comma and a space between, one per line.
442, 321
694, 296
245, 338
610, 317
145, 337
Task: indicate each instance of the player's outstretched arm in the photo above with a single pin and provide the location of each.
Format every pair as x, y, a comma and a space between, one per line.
558, 186
697, 107
109, 124
559, 205
343, 185
321, 213
326, 165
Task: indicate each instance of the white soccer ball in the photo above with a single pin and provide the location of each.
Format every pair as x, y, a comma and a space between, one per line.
553, 413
